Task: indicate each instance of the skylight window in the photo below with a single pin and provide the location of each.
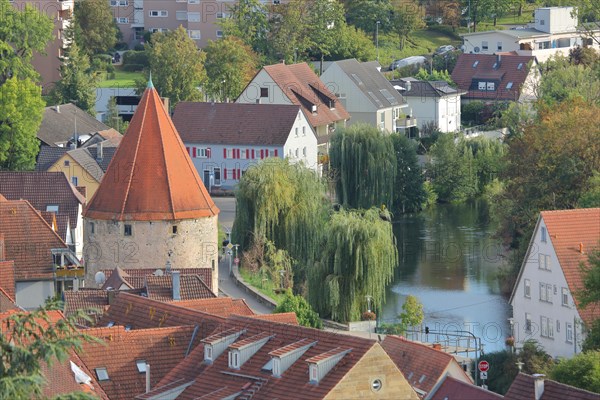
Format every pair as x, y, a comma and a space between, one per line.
520, 66
509, 85
141, 366
127, 327
422, 378
110, 324
475, 64
102, 374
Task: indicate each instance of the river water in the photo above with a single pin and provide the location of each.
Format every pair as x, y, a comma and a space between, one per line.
448, 260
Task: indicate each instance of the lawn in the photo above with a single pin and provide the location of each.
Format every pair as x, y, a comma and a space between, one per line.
266, 287
121, 79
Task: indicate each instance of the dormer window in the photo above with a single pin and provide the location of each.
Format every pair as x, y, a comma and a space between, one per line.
127, 230
520, 66
215, 344
242, 350
52, 208
285, 356
475, 64
320, 365
234, 359
208, 353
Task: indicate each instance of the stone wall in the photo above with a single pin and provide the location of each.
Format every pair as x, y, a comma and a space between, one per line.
194, 245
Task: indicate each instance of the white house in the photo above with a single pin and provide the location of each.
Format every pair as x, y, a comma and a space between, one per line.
225, 139
554, 31
544, 308
367, 95
432, 102
298, 84
126, 98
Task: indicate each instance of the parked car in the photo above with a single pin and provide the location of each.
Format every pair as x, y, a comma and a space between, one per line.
444, 49
405, 62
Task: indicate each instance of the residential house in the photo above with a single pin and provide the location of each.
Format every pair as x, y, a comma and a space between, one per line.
225, 139
297, 84
48, 64
367, 95
7, 280
50, 193
126, 98
433, 103
449, 388
63, 123
43, 263
247, 357
84, 167
135, 278
544, 306
527, 387
151, 203
554, 31
498, 77
62, 377
423, 366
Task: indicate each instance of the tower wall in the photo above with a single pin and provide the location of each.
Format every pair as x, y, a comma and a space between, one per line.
194, 245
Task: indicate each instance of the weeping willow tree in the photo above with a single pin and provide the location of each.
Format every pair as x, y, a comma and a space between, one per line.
358, 260
364, 163
284, 203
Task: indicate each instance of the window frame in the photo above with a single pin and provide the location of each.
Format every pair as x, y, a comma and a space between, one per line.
527, 288
127, 230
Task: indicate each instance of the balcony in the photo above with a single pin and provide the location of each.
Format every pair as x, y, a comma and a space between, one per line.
70, 271
405, 123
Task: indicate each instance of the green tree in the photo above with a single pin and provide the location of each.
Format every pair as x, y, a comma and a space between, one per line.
21, 34
358, 260
248, 22
77, 83
488, 157
304, 312
435, 75
582, 371
591, 197
230, 65
353, 43
364, 14
176, 64
364, 164
412, 312
30, 339
409, 190
113, 119
592, 338
21, 111
96, 28
406, 18
326, 19
562, 81
288, 35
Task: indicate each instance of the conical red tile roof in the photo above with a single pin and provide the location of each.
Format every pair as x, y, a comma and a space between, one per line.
151, 176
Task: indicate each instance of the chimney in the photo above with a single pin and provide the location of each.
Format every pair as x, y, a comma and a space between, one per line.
111, 296
147, 377
99, 151
538, 387
498, 60
581, 248
437, 346
176, 285
58, 108
165, 101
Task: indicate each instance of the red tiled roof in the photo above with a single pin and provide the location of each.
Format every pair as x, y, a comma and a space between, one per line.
293, 383
454, 389
282, 318
28, 240
235, 123
522, 388
288, 348
221, 306
42, 189
508, 71
151, 176
191, 287
136, 277
162, 348
328, 354
7, 276
567, 230
304, 88
417, 361
88, 300
249, 340
7, 303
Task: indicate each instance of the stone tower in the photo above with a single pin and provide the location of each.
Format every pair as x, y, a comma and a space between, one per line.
151, 207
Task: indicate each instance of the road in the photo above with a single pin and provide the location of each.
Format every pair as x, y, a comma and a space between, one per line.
226, 284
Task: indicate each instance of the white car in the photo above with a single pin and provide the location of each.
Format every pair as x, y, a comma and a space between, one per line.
405, 62
444, 49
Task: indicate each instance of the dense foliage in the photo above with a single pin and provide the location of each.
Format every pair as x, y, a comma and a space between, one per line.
96, 30
412, 312
409, 193
357, 261
582, 371
304, 312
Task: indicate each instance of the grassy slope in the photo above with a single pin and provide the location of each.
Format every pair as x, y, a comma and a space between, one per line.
122, 80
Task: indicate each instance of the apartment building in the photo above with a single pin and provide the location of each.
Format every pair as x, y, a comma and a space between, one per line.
48, 65
200, 18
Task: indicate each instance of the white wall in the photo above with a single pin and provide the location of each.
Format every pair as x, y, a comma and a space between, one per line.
555, 19
301, 144
251, 93
443, 111
492, 38
32, 294
560, 314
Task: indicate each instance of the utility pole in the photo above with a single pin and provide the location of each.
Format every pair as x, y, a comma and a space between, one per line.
377, 38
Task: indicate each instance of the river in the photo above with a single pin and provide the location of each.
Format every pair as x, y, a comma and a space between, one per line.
448, 260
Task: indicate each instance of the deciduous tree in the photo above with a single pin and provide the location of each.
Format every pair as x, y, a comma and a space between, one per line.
409, 190
288, 31
406, 18
248, 22
582, 371
412, 312
304, 312
97, 30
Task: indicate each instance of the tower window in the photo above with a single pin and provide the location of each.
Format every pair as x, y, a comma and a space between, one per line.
127, 230
174, 229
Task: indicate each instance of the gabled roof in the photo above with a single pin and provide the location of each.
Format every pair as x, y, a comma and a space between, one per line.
235, 123
42, 189
162, 348
470, 67
49, 155
7, 270
7, 303
191, 287
221, 306
454, 389
28, 240
86, 299
426, 89
567, 230
523, 388
135, 278
103, 136
86, 157
421, 365
304, 88
151, 176
58, 124
282, 318
253, 376
372, 83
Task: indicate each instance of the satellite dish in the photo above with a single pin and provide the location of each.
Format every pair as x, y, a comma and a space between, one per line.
462, 47
476, 49
158, 272
100, 278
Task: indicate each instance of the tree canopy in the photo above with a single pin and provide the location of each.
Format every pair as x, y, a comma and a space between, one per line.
248, 22
304, 312
582, 371
96, 29
409, 190
412, 312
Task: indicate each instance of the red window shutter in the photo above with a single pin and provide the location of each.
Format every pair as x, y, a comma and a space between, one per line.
275, 152
208, 152
253, 154
238, 153
234, 177
262, 154
194, 152
247, 153
239, 176
266, 153
224, 153
225, 173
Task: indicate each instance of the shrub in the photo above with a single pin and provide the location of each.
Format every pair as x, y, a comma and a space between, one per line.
121, 46
133, 67
135, 57
304, 312
368, 316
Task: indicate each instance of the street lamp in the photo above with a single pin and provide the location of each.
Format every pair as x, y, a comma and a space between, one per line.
369, 299
377, 38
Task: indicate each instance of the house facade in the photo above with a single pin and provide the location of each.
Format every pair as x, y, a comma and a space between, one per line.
433, 103
223, 140
544, 307
555, 31
297, 84
367, 95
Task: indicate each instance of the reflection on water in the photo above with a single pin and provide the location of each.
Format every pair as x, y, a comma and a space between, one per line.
449, 259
